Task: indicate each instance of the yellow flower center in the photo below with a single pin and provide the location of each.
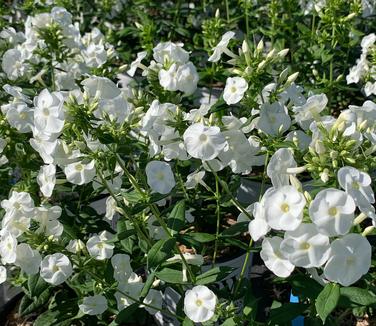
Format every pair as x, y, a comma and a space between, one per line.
305, 246
285, 207
233, 89
355, 185
79, 167
332, 211
199, 302
203, 138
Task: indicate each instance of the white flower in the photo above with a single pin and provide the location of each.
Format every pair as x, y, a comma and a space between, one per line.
195, 178
234, 90
305, 246
169, 78
221, 47
19, 203
19, 116
46, 179
122, 267
273, 119
136, 63
350, 258
299, 138
280, 162
133, 287
101, 87
8, 247
358, 185
48, 112
199, 304
258, 227
98, 247
94, 305
95, 55
310, 111
204, 142
47, 217
75, 246
160, 177
153, 298
284, 208
55, 268
80, 173
28, 259
332, 211
13, 64
274, 259
111, 207
3, 274
170, 52
187, 78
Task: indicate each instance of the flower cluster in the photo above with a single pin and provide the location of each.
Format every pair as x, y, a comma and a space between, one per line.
365, 68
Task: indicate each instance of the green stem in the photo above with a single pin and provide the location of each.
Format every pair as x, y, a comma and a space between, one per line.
119, 204
244, 267
218, 212
227, 12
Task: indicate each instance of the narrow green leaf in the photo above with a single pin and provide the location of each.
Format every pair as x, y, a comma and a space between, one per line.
214, 275
162, 250
235, 229
176, 220
171, 276
327, 300
201, 237
36, 285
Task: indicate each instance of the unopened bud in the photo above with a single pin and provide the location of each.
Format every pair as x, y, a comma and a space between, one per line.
260, 46
368, 230
360, 218
261, 65
271, 54
217, 13
281, 54
292, 78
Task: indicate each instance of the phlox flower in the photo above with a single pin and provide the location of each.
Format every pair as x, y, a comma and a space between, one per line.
98, 247
56, 268
46, 179
222, 47
204, 142
234, 90
284, 208
94, 305
160, 177
80, 173
332, 211
305, 246
273, 119
274, 258
199, 304
350, 258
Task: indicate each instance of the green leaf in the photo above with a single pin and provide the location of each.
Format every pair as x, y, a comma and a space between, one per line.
39, 301
201, 237
235, 229
305, 287
214, 275
171, 276
147, 286
286, 312
176, 220
229, 322
353, 297
125, 314
327, 300
161, 251
36, 285
187, 322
